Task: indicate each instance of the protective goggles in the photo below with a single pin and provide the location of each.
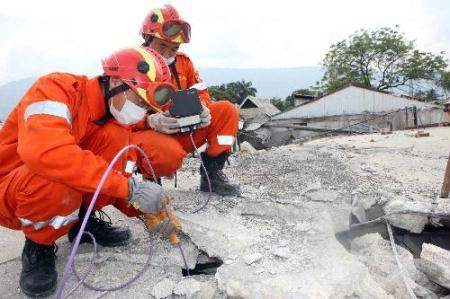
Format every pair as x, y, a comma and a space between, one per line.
159, 94
172, 28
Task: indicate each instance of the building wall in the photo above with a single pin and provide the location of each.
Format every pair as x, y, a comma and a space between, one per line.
352, 100
280, 132
400, 120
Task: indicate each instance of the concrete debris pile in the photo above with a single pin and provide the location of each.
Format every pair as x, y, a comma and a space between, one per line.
287, 236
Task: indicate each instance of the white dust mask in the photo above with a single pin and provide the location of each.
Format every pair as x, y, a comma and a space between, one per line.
130, 113
169, 60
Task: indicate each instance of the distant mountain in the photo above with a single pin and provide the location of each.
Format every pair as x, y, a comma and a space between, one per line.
11, 93
278, 82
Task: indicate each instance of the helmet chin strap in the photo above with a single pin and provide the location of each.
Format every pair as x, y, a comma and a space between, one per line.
109, 93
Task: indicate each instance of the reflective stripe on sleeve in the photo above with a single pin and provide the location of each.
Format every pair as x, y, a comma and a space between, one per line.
57, 221
49, 107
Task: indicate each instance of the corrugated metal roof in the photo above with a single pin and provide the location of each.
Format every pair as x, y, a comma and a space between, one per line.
353, 100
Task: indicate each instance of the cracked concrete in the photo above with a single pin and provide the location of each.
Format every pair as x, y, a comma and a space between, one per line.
278, 239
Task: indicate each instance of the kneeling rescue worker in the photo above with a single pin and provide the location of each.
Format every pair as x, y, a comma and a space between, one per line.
163, 31
57, 143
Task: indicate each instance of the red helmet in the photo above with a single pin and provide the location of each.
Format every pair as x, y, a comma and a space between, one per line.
166, 24
144, 71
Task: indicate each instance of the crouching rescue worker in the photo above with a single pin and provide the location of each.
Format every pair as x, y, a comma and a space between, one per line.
163, 31
56, 145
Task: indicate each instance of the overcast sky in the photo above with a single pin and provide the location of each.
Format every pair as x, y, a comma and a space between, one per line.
41, 36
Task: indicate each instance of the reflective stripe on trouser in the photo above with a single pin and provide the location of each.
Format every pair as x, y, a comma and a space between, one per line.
42, 209
166, 152
36, 200
56, 222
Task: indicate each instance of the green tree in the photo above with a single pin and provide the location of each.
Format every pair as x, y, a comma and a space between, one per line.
279, 103
444, 82
220, 92
290, 99
235, 92
243, 89
380, 59
429, 95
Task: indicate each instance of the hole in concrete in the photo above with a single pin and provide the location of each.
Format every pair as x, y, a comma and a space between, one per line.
439, 236
346, 237
206, 265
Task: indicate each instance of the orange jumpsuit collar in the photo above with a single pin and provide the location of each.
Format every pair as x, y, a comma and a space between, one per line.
95, 98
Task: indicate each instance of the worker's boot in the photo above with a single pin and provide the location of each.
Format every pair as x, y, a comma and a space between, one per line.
38, 277
219, 181
105, 234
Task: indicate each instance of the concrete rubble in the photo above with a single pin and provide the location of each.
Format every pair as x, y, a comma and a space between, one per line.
376, 253
246, 147
280, 238
435, 263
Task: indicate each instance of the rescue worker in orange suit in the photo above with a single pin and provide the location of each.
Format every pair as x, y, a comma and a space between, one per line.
56, 145
163, 30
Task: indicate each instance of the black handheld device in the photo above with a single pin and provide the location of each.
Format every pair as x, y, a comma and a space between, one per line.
186, 107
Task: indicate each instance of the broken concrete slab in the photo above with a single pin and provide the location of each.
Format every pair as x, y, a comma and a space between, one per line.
192, 288
414, 223
246, 147
163, 289
216, 234
376, 253
312, 270
435, 263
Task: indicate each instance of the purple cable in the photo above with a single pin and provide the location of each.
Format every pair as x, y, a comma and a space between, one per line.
206, 173
91, 264
121, 286
73, 252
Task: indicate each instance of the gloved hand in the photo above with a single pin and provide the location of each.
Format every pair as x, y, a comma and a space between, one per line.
165, 223
163, 122
145, 196
205, 117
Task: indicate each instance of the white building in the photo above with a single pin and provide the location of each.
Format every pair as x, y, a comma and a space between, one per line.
353, 100
350, 110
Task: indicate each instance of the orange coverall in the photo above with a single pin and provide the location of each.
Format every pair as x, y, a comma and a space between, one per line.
53, 156
166, 152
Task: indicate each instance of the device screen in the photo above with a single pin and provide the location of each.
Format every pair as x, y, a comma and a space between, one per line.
186, 103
